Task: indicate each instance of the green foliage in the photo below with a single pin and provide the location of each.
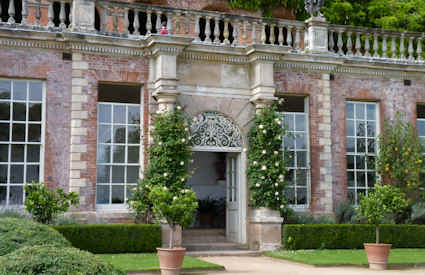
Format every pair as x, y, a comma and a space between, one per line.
177, 208
44, 204
345, 212
17, 233
266, 168
55, 261
400, 160
11, 213
113, 238
266, 5
350, 236
169, 158
418, 213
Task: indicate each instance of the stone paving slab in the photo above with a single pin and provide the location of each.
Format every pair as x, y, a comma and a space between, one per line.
265, 265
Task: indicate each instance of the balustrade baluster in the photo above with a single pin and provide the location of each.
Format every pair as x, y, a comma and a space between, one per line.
272, 35
263, 33
1, 20
226, 32
410, 49
375, 45
170, 28
384, 46
297, 38
148, 22
340, 43
188, 23
208, 29
281, 38
62, 15
236, 33
50, 23
419, 50
402, 53
158, 21
136, 23
24, 13
367, 46
11, 12
349, 44
70, 21
289, 36
254, 33
331, 40
358, 45
393, 47
115, 20
38, 14
216, 30
105, 19
245, 31
126, 21
197, 28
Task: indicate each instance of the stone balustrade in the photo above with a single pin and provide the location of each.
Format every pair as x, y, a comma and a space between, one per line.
376, 44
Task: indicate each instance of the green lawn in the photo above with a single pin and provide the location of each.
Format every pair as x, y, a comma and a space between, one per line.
347, 257
149, 262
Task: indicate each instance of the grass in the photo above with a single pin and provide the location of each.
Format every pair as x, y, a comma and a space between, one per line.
347, 257
149, 262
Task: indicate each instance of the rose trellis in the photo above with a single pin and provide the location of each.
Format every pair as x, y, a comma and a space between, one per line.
267, 164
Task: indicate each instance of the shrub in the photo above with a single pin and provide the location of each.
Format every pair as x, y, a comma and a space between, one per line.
345, 212
18, 233
113, 238
52, 260
350, 236
44, 204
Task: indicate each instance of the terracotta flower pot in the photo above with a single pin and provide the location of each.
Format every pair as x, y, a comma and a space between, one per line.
377, 255
171, 260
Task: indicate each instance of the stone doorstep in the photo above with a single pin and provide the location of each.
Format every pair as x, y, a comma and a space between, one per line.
221, 253
183, 271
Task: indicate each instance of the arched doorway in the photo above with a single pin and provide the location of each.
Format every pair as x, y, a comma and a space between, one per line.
219, 179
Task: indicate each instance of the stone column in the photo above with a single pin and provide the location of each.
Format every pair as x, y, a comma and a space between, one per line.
83, 15
317, 35
265, 229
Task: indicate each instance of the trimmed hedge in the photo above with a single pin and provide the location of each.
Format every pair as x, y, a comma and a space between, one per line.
49, 260
113, 238
17, 233
350, 236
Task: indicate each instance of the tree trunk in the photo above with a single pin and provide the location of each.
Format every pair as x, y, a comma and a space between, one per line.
377, 234
172, 233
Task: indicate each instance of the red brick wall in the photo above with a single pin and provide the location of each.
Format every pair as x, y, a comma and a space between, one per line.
49, 67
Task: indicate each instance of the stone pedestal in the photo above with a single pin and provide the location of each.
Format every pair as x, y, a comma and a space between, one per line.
83, 15
165, 228
265, 229
317, 35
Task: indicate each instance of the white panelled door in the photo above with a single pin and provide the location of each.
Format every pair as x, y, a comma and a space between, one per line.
232, 202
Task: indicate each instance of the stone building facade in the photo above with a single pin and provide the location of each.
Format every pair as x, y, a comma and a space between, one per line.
80, 81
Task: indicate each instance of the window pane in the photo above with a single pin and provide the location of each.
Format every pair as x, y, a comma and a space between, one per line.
361, 145
302, 159
290, 177
18, 153
18, 132
130, 189
300, 124
16, 195
301, 141
291, 159
133, 134
102, 194
34, 112
104, 134
371, 163
289, 142
33, 153
133, 154
3, 174
117, 193
301, 177
290, 195
351, 196
350, 162
4, 131
301, 196
119, 154
19, 111
371, 179
360, 111
104, 153
421, 128
36, 91
4, 153
371, 146
119, 114
105, 113
289, 121
132, 174
360, 162
103, 174
118, 174
350, 128
119, 134
33, 173
34, 132
360, 129
16, 174
350, 179
371, 129
361, 179
19, 90
350, 110
351, 145
5, 86
371, 112
4, 111
133, 115
3, 195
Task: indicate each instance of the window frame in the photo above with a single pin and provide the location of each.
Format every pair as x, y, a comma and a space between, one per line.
366, 170
10, 143
120, 207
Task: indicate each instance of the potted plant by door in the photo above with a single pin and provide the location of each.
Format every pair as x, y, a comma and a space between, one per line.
384, 202
177, 207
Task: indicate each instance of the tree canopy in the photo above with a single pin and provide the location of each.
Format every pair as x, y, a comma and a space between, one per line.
405, 15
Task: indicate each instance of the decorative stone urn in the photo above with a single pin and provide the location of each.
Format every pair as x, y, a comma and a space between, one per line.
377, 255
265, 229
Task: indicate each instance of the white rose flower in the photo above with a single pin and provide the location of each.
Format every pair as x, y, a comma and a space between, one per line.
264, 152
174, 198
190, 138
183, 191
165, 188
255, 163
281, 177
276, 184
165, 174
160, 143
263, 167
264, 132
276, 193
182, 179
281, 206
263, 177
261, 126
186, 129
279, 137
276, 164
183, 140
179, 108
245, 150
277, 198
257, 185
181, 163
278, 122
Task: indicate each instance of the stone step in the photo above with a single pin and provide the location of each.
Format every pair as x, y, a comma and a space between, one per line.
217, 246
204, 239
203, 232
220, 253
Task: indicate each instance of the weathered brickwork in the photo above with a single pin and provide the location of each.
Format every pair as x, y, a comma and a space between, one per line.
49, 67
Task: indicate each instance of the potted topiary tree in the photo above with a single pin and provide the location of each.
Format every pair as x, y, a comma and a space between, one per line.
385, 201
